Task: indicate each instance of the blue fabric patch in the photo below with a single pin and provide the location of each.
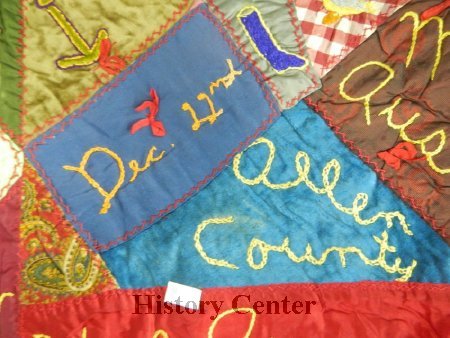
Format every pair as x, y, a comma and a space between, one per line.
279, 59
180, 67
167, 251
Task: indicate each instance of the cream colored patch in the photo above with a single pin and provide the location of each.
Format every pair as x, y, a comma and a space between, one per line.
11, 163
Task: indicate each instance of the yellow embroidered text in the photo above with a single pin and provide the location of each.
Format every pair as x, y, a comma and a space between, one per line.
199, 247
160, 334
231, 311
329, 183
429, 154
439, 134
419, 25
366, 98
83, 172
3, 296
134, 166
212, 327
263, 248
40, 335
226, 81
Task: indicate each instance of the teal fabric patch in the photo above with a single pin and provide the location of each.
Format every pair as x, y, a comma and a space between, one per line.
297, 230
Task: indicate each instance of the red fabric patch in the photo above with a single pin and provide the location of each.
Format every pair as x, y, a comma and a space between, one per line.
367, 309
10, 264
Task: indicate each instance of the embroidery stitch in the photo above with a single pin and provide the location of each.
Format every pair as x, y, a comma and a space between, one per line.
265, 44
134, 165
56, 263
111, 64
226, 81
199, 246
41, 335
160, 334
264, 249
88, 91
380, 261
231, 311
359, 203
83, 172
243, 61
368, 96
417, 26
3, 296
89, 54
389, 112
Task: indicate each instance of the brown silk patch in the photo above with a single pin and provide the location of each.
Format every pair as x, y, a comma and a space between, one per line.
388, 70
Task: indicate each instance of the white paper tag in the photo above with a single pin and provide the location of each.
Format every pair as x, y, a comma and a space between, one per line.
183, 295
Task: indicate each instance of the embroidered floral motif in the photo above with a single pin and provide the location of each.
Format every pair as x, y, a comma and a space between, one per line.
56, 262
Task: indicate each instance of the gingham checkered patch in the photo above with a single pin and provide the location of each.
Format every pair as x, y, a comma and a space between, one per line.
329, 43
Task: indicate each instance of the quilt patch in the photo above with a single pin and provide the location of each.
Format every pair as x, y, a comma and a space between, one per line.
170, 168
388, 101
333, 28
160, 131
272, 310
9, 66
262, 204
71, 49
56, 263
11, 163
268, 33
10, 263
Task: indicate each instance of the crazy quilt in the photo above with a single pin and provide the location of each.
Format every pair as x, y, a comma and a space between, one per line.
66, 44
114, 313
182, 150
261, 204
388, 101
178, 169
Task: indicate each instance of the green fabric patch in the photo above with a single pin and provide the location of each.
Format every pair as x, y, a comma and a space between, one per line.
52, 93
9, 64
